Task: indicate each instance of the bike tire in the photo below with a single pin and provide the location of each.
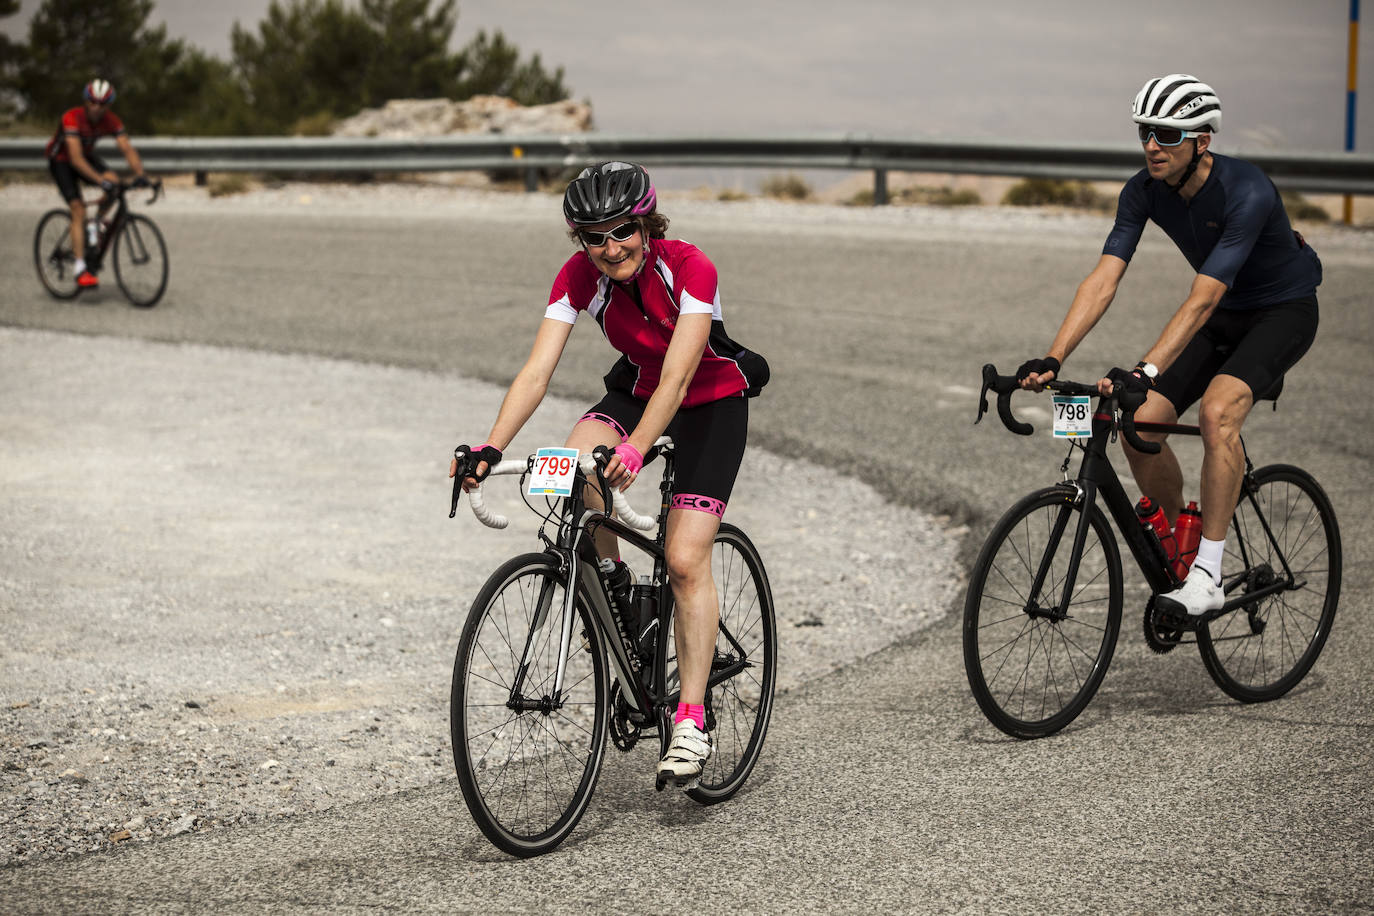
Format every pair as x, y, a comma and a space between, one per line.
1261, 651
53, 255
739, 708
527, 775
140, 261
1032, 674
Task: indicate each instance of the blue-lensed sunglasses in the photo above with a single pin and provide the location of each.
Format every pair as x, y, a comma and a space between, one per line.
1165, 136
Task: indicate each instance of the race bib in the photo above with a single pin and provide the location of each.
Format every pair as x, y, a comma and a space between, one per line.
552, 472
1073, 416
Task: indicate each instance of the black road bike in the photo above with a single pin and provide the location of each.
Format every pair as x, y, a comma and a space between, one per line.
549, 667
1043, 607
130, 239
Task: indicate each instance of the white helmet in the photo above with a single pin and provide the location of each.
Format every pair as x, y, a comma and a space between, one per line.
1178, 100
98, 91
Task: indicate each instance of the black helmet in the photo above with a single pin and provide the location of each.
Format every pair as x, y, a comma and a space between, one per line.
606, 191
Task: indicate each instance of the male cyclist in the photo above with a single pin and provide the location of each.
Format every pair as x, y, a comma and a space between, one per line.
1250, 315
72, 160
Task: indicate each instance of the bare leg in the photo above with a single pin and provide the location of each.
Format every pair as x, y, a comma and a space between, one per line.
587, 435
1225, 405
78, 208
697, 611
1159, 476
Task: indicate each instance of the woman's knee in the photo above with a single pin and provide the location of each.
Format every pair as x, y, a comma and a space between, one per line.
689, 561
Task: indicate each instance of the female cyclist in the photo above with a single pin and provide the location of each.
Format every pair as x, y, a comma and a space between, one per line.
657, 302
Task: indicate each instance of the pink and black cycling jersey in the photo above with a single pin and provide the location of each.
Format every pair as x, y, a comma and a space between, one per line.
677, 279
76, 124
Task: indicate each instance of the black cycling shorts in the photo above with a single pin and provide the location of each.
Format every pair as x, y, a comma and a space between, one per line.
69, 180
708, 441
1256, 346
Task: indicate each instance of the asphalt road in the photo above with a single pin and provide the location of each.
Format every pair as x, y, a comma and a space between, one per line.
881, 786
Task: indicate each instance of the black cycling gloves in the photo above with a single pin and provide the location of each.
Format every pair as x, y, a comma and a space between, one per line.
1039, 367
469, 458
1132, 387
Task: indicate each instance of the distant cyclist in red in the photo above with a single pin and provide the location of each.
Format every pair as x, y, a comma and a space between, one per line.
72, 160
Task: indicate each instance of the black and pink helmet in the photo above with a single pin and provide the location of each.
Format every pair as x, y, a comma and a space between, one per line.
608, 191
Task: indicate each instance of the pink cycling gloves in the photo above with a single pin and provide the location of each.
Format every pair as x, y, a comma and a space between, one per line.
630, 457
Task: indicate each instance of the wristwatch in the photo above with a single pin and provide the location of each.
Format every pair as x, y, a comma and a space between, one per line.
1149, 370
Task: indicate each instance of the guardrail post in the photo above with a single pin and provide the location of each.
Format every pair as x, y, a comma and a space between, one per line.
879, 187
531, 180
200, 178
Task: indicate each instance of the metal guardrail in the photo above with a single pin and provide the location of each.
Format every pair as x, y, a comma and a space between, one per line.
1338, 173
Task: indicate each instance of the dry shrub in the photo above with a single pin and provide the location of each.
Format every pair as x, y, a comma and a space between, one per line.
786, 187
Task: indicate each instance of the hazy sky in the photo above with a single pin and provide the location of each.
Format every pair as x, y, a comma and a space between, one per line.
1038, 70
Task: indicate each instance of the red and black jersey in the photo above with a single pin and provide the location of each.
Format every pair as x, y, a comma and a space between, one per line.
75, 123
677, 279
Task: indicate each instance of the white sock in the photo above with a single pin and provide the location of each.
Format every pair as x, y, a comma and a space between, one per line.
80, 265
1209, 554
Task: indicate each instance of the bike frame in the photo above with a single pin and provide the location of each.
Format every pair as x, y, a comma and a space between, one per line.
107, 237
575, 550
1096, 477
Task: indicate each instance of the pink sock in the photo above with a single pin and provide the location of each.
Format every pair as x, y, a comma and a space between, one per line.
693, 711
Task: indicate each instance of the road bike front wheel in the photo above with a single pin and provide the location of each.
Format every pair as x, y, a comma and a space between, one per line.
528, 757
1033, 662
140, 261
1261, 650
53, 254
739, 706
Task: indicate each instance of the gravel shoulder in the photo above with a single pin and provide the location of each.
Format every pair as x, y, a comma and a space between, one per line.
232, 592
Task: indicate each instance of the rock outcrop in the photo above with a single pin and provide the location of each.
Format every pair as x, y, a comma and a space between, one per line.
481, 114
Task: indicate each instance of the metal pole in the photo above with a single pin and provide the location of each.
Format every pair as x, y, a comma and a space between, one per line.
1353, 57
879, 187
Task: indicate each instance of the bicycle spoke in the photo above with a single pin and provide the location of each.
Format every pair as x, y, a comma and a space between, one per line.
1031, 669
1284, 525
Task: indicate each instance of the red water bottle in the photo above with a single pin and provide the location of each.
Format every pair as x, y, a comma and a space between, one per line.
1153, 521
1187, 533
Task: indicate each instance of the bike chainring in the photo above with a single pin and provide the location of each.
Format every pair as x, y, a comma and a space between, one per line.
624, 733
1160, 637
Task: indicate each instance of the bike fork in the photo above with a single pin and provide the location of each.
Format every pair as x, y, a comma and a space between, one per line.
1086, 492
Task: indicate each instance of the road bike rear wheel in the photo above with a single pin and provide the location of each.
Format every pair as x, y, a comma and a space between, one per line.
738, 708
140, 261
527, 760
1261, 650
53, 254
1033, 670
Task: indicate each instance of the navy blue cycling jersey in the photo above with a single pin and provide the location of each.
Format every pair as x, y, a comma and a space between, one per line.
1234, 230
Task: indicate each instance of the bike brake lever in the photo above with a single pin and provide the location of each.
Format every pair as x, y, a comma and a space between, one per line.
989, 376
457, 492
459, 455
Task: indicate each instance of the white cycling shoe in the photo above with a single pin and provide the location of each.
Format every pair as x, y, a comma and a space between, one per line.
1198, 594
687, 754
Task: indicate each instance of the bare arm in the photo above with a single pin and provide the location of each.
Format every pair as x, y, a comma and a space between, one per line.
78, 160
530, 384
1090, 303
130, 154
1191, 316
679, 366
